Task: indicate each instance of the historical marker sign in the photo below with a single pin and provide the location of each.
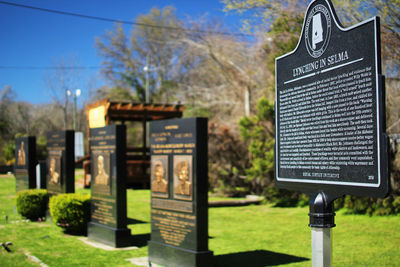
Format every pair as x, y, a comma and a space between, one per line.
179, 186
108, 223
25, 163
60, 162
330, 108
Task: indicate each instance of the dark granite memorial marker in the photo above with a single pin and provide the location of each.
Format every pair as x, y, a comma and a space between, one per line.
25, 163
109, 221
330, 109
330, 118
60, 162
179, 186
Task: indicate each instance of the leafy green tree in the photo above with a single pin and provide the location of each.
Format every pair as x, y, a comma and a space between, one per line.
259, 130
6, 96
115, 93
6, 132
8, 157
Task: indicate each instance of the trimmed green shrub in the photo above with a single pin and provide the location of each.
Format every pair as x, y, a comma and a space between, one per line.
372, 206
71, 212
339, 203
285, 198
32, 203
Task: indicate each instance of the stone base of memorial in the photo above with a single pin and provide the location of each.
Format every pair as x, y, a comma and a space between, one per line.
161, 254
110, 236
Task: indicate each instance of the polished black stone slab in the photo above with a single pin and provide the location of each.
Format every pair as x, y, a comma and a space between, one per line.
60, 162
108, 223
179, 188
25, 163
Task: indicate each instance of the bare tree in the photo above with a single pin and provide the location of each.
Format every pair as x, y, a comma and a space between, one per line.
64, 76
227, 76
145, 58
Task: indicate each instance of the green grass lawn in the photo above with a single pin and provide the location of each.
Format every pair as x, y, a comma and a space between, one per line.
239, 236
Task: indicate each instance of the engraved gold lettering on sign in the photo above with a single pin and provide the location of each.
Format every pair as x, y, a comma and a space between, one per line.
55, 152
103, 211
189, 145
175, 205
183, 135
21, 172
110, 137
174, 227
172, 146
162, 134
21, 179
103, 199
102, 147
172, 127
96, 138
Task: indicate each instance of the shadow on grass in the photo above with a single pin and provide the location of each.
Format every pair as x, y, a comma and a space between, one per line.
134, 221
256, 258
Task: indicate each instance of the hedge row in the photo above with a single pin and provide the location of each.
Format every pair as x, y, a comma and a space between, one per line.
352, 205
32, 204
69, 211
371, 206
72, 211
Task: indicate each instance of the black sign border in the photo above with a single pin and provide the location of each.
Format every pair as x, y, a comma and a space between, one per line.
338, 190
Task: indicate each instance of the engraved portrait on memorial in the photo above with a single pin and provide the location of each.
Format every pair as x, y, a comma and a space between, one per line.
54, 171
183, 177
101, 173
21, 155
101, 176
159, 176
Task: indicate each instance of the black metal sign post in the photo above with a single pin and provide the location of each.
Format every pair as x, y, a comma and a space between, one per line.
330, 118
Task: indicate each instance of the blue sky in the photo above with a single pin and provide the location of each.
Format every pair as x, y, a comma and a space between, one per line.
31, 38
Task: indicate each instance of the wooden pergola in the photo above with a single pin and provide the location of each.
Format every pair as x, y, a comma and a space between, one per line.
132, 111
105, 112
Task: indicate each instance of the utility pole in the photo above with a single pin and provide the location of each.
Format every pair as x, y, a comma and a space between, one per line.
146, 69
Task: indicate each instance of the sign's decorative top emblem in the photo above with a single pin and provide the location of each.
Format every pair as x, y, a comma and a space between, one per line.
318, 30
